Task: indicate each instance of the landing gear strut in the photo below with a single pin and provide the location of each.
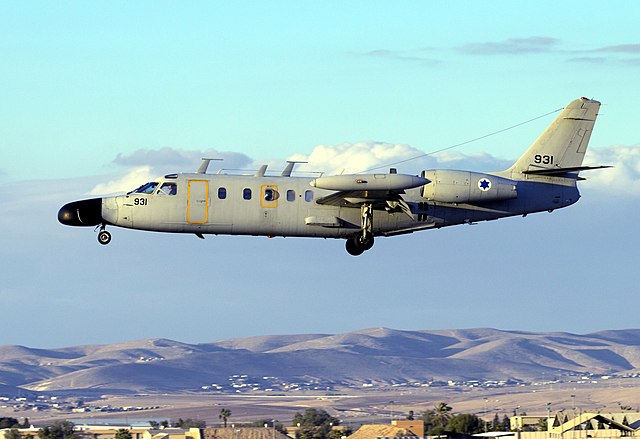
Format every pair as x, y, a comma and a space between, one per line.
104, 237
363, 240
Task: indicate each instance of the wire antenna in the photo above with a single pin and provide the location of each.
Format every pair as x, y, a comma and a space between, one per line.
463, 143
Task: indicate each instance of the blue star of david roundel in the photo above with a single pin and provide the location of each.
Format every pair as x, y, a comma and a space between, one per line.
484, 184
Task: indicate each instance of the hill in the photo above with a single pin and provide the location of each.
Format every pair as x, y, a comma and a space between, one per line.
284, 363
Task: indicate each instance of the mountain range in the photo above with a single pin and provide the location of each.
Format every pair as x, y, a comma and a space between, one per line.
284, 363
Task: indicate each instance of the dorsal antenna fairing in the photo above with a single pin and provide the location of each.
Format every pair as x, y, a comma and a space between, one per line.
205, 164
289, 169
260, 172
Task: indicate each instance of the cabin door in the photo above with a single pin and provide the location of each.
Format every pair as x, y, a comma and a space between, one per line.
197, 201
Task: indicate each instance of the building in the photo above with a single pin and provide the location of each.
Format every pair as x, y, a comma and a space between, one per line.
527, 422
592, 425
414, 426
109, 432
243, 433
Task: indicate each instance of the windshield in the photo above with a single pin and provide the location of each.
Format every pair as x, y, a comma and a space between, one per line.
146, 188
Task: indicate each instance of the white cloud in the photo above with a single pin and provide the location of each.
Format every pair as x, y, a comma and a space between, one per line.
370, 156
145, 165
379, 156
131, 180
354, 157
621, 180
174, 160
511, 46
367, 156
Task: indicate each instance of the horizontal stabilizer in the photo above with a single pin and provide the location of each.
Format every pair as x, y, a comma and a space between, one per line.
559, 171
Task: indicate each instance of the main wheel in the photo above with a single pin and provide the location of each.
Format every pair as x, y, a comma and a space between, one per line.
365, 244
353, 248
104, 237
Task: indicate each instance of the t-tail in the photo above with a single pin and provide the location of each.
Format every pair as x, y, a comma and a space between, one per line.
560, 149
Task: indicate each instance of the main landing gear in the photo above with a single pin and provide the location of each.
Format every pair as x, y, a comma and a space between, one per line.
363, 240
104, 237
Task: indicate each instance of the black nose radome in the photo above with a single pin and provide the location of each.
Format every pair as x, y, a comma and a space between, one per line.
81, 213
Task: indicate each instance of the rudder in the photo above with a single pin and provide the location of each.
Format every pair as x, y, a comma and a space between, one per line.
563, 143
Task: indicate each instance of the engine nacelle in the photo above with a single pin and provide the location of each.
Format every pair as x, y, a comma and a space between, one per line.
450, 186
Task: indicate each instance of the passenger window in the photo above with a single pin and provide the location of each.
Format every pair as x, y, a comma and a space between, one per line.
269, 194
291, 195
222, 193
246, 193
168, 189
308, 195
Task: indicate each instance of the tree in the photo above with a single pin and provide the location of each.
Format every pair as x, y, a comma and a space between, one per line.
13, 433
9, 423
436, 419
465, 424
443, 413
58, 430
270, 423
495, 423
506, 423
335, 434
224, 415
190, 423
154, 424
123, 433
314, 424
410, 416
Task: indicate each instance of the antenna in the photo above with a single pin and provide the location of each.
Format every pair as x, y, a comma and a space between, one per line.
289, 169
205, 164
260, 172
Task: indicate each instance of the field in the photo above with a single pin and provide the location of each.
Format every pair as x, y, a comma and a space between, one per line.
351, 407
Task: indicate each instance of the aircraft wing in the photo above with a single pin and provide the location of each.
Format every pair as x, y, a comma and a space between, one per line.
391, 201
380, 191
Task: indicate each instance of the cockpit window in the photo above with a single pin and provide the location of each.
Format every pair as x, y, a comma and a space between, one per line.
146, 188
168, 188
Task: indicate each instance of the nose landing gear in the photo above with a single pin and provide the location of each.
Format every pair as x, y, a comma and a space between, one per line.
104, 237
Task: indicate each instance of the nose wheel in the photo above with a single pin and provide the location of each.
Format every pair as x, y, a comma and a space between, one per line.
104, 237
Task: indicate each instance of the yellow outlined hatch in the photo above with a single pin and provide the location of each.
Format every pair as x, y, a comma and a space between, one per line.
197, 201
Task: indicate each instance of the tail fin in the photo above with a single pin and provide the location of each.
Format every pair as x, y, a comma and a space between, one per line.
561, 147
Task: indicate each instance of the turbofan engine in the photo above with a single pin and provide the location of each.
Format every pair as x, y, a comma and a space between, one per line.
450, 186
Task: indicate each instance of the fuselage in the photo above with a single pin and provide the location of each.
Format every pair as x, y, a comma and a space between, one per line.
288, 206
356, 207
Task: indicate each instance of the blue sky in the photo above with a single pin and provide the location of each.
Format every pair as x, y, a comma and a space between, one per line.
97, 96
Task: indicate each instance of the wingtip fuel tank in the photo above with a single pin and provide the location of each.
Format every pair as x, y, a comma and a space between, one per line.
371, 182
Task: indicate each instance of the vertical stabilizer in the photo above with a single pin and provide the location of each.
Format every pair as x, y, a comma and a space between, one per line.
561, 147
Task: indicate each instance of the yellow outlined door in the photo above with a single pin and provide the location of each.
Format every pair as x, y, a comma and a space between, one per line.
269, 201
197, 201
269, 196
